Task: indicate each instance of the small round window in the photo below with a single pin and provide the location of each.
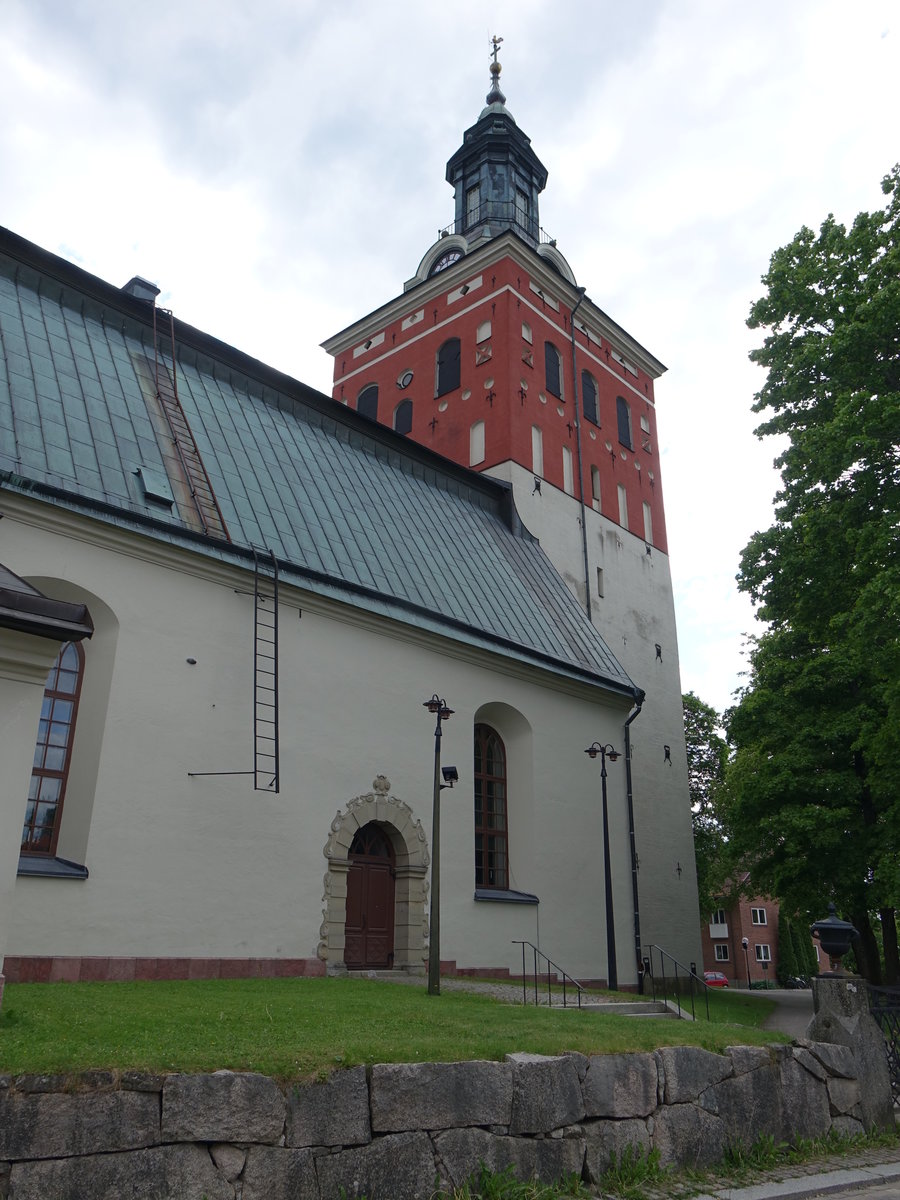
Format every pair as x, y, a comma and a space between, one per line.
405, 379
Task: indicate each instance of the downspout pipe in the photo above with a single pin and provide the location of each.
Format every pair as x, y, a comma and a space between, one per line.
635, 712
584, 546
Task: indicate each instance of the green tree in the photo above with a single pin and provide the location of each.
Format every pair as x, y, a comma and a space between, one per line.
813, 793
706, 755
787, 956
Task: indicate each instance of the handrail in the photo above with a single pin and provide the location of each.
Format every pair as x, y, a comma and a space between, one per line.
681, 971
565, 976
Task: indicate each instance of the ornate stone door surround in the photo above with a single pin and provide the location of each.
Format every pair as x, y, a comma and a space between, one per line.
411, 864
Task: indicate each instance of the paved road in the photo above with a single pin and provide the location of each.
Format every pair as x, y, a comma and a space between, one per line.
793, 1011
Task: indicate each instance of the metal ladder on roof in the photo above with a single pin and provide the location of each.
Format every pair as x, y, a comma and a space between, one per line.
265, 672
166, 383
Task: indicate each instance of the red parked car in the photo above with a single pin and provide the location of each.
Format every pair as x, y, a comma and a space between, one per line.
714, 979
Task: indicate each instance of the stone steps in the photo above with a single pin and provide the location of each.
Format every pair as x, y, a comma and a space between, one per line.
638, 1008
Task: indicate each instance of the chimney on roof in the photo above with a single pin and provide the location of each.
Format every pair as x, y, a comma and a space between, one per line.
142, 289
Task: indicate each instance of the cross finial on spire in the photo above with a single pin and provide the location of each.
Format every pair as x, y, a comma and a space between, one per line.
495, 96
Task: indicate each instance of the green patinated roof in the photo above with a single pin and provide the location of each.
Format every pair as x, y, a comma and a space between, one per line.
350, 509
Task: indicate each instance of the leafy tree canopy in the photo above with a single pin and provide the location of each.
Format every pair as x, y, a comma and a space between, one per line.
707, 752
813, 792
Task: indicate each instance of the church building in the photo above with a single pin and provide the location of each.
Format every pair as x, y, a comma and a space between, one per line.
227, 602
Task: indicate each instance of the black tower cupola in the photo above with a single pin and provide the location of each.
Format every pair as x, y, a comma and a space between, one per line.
496, 175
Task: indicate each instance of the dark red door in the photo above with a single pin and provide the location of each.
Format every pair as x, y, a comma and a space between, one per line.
369, 928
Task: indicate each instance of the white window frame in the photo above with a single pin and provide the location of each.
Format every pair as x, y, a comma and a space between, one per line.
623, 505
758, 916
722, 952
537, 450
476, 444
763, 953
568, 472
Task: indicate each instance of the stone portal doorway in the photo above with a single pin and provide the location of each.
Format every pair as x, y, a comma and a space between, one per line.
409, 858
369, 928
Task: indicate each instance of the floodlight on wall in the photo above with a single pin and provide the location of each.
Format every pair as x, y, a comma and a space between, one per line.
464, 289
451, 776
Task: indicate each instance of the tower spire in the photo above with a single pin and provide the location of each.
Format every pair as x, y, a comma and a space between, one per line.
495, 96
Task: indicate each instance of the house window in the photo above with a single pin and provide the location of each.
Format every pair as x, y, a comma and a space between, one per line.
473, 205
595, 487
763, 954
403, 416
447, 367
367, 402
623, 416
758, 916
568, 478
648, 524
537, 450
476, 444
483, 332
589, 397
553, 369
718, 917
722, 954
623, 506
53, 751
491, 846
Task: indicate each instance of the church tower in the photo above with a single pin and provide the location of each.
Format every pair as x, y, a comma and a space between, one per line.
496, 357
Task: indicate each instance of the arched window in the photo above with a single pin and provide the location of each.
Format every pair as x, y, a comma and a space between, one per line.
553, 369
447, 367
595, 487
568, 480
403, 416
537, 450
53, 751
623, 416
491, 843
589, 397
476, 443
367, 402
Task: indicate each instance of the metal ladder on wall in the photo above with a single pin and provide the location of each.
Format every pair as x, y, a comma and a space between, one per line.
166, 383
265, 672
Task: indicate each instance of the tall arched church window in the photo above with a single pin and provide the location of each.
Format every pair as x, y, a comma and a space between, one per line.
491, 840
53, 751
367, 402
448, 367
623, 416
403, 416
589, 397
553, 369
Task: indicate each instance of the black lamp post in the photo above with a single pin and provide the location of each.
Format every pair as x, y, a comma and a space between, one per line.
834, 937
745, 942
442, 712
607, 752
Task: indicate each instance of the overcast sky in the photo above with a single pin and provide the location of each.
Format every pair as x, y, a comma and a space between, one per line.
278, 169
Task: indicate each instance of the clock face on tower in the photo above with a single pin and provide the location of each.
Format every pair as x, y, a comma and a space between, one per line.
447, 259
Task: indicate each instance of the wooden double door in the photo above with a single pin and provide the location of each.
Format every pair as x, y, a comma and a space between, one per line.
369, 927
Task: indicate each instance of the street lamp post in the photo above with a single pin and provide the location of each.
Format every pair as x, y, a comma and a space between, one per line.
745, 942
442, 712
612, 754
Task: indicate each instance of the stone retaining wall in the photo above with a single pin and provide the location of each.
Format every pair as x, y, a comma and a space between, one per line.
388, 1133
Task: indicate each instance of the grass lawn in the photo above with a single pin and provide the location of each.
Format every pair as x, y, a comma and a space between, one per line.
299, 1027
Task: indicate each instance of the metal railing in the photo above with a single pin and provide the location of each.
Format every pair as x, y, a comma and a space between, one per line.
884, 1005
561, 976
503, 212
674, 979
